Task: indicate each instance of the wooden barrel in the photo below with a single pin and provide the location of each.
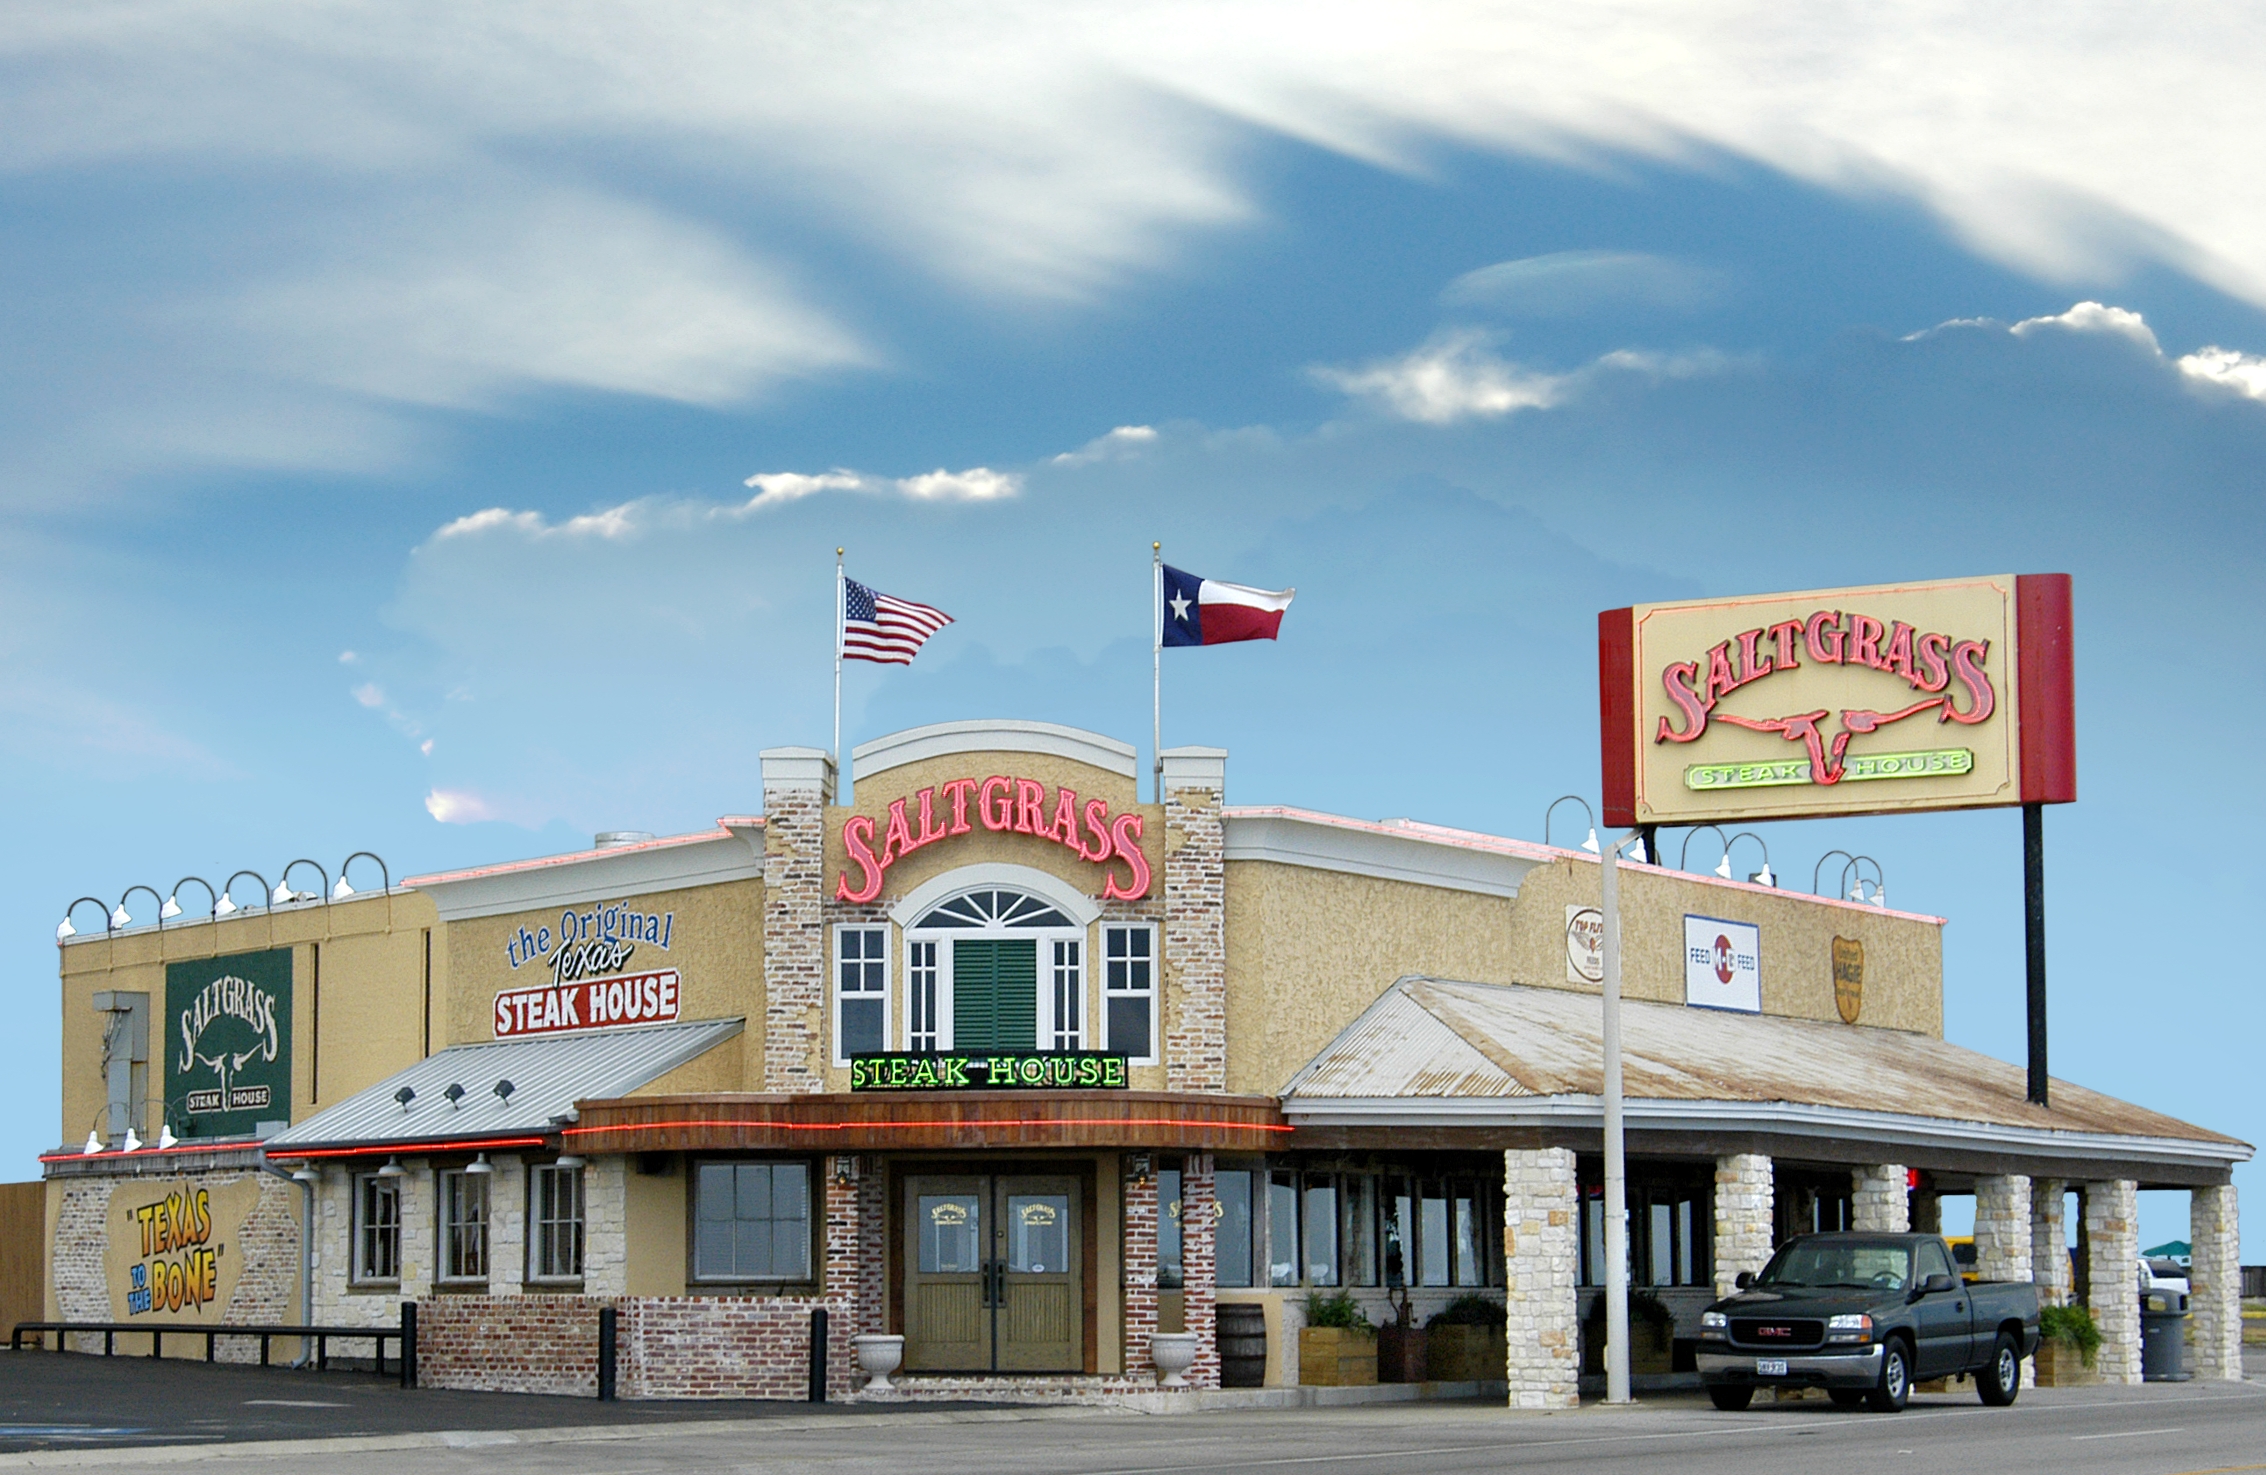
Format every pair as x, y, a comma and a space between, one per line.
1242, 1331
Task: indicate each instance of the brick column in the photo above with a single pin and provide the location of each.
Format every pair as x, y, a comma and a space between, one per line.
797, 784
2002, 1237
1195, 918
2112, 1272
851, 1275
1744, 1191
1139, 1252
1541, 1261
2049, 1241
1877, 1202
2215, 1284
1199, 1224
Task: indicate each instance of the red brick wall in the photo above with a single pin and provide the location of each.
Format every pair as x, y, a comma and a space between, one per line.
509, 1344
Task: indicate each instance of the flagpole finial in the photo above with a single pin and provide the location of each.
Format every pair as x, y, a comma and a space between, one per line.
837, 553
1156, 547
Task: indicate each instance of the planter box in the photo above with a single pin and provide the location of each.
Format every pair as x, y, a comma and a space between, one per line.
1400, 1354
1337, 1357
1652, 1348
1467, 1354
2060, 1366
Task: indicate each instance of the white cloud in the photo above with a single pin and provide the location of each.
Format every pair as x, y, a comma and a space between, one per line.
2223, 368
460, 807
976, 484
1567, 283
1124, 441
348, 658
775, 487
2092, 317
369, 695
426, 747
1458, 376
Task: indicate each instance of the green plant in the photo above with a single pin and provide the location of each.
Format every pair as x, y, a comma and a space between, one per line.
2072, 1326
1340, 1310
1470, 1311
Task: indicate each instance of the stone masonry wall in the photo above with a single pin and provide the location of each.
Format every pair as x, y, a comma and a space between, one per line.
1744, 1191
605, 1232
1195, 939
794, 937
1540, 1263
2112, 1231
2215, 1284
2049, 1241
2002, 1237
1877, 1202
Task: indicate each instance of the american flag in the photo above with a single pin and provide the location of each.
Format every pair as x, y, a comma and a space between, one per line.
877, 627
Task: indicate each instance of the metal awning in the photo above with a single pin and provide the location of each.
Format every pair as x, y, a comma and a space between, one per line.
1436, 1053
547, 1076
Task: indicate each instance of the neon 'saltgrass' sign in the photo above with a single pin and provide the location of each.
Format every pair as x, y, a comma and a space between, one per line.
1947, 695
1019, 806
1061, 1070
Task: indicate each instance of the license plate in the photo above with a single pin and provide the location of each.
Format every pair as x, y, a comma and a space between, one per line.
1770, 1367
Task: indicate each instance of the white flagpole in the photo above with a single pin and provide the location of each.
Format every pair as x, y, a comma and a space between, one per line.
840, 613
1156, 672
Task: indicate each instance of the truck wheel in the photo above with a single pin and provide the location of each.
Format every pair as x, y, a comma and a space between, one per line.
1730, 1397
1999, 1382
1846, 1397
1894, 1389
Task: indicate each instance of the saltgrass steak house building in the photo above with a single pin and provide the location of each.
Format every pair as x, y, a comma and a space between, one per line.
1006, 1061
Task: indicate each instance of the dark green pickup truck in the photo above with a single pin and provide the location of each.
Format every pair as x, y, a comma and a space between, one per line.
1865, 1316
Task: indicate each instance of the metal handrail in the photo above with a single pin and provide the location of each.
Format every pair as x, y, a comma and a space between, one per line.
157, 1332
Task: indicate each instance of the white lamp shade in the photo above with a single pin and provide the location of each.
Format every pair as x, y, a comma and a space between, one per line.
1590, 844
225, 906
119, 917
171, 909
165, 1137
341, 891
94, 1142
133, 1141
64, 930
281, 894
479, 1165
1723, 866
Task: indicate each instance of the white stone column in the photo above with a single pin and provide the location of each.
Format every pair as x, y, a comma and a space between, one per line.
1541, 1263
1745, 1188
2112, 1273
420, 1231
2002, 1237
2215, 1284
2049, 1241
605, 1226
1877, 1202
507, 1226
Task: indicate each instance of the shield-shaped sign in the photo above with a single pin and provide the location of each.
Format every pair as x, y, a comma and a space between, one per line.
1848, 978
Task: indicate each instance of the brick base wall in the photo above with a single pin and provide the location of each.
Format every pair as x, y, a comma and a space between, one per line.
509, 1344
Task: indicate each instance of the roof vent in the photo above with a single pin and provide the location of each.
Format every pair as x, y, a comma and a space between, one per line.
455, 1095
405, 1096
615, 839
503, 1091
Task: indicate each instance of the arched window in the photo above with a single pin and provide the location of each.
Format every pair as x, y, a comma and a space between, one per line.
995, 969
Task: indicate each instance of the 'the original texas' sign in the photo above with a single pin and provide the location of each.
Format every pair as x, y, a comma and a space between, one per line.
1019, 806
1949, 695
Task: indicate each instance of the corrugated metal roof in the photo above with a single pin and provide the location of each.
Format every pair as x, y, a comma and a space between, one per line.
1548, 1042
548, 1076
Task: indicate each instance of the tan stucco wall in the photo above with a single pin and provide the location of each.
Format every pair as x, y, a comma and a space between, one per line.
1903, 986
655, 1231
717, 1070
715, 944
1308, 950
370, 1016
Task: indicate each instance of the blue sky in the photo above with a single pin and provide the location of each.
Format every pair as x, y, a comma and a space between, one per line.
431, 435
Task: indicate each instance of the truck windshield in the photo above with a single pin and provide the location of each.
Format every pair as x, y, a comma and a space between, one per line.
1884, 1267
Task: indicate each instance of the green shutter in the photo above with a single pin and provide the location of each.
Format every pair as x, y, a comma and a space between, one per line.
995, 994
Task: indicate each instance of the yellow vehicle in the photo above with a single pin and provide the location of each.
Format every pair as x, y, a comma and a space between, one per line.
1963, 1255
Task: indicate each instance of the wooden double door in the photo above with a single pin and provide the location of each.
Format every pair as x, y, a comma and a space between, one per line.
994, 1274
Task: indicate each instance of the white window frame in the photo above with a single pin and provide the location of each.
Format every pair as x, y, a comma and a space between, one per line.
1065, 978
443, 1183
361, 1275
925, 961
879, 960
536, 1173
1154, 991
992, 876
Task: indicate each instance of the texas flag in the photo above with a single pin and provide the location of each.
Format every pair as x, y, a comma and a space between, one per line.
1200, 611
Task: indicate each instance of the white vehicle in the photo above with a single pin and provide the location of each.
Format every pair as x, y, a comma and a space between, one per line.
2162, 1275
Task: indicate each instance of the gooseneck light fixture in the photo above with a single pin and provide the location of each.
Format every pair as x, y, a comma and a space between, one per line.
226, 906
1684, 856
1763, 877
1817, 871
284, 895
342, 891
64, 931
1589, 844
1856, 866
129, 891
172, 907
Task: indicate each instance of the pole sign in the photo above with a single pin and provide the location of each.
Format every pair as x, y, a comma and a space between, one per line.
228, 1053
1896, 697
1058, 1070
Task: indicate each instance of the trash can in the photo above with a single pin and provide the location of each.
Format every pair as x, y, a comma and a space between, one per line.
2163, 1336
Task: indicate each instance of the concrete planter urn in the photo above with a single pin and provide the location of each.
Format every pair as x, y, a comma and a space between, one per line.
1337, 1357
879, 1355
1173, 1353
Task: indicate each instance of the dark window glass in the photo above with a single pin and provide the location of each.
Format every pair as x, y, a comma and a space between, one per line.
862, 973
1233, 1235
555, 1246
1360, 1233
1168, 1229
1399, 1228
1471, 1270
1282, 1229
753, 1222
1432, 1237
1321, 1223
1129, 991
464, 1226
377, 1236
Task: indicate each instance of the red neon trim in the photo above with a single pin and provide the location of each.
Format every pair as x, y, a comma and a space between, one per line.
461, 1145
954, 1122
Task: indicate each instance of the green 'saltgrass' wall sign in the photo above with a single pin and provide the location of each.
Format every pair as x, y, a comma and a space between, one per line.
1055, 1070
228, 1043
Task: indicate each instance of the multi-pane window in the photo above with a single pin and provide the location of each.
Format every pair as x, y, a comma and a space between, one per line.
464, 1226
1069, 993
752, 1222
922, 1028
1669, 1233
1129, 993
1366, 1229
377, 1228
555, 1223
1232, 1238
861, 1003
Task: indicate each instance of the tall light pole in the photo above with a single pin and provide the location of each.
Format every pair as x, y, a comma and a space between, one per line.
1616, 1162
